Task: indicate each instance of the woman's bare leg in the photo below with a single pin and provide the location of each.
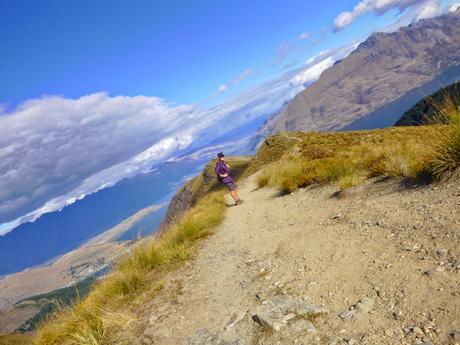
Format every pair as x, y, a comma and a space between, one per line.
234, 195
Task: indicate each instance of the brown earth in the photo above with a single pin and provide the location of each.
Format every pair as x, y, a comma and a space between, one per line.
395, 248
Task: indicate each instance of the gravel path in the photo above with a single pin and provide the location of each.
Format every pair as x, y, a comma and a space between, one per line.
378, 265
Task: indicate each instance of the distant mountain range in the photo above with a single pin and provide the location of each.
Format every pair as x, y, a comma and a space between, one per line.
379, 81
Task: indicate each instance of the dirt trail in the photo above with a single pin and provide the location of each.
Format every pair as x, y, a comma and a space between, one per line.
396, 250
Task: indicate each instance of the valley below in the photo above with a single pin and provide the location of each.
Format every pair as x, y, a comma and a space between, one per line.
89, 260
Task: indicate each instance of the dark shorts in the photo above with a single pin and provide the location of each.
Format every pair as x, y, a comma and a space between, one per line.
230, 185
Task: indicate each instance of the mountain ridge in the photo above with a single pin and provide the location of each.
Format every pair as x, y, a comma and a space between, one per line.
382, 69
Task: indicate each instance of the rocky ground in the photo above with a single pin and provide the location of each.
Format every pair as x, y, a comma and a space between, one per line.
377, 265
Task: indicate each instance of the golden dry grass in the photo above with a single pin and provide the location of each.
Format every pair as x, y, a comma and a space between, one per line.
15, 339
446, 163
107, 315
349, 158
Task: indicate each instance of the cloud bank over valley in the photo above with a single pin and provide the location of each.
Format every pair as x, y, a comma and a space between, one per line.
55, 150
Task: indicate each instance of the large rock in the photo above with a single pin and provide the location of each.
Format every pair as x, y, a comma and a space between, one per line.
365, 305
278, 311
454, 336
289, 304
269, 317
301, 325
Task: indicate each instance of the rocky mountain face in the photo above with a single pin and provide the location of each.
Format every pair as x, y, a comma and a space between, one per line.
183, 199
381, 70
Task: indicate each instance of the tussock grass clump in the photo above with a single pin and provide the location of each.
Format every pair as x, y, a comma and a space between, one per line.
404, 160
87, 323
446, 162
349, 181
293, 160
106, 316
287, 174
333, 169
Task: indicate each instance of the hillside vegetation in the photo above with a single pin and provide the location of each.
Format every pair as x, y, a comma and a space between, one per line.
294, 160
48, 302
424, 111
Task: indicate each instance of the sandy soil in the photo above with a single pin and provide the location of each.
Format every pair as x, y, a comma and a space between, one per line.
397, 246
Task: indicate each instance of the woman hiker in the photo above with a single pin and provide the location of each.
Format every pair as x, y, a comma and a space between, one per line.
223, 175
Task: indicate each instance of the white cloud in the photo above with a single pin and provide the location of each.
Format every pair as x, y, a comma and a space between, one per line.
54, 146
298, 45
238, 79
454, 7
427, 10
303, 36
245, 74
312, 73
423, 8
222, 88
315, 66
282, 52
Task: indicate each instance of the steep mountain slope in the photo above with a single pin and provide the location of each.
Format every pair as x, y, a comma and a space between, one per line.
380, 71
427, 107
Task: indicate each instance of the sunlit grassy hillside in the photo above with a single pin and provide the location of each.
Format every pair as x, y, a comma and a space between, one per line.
294, 160
15, 339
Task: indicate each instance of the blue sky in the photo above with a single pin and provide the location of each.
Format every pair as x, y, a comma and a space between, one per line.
181, 51
92, 92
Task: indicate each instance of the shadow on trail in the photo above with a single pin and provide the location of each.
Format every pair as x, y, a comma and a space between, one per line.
386, 185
